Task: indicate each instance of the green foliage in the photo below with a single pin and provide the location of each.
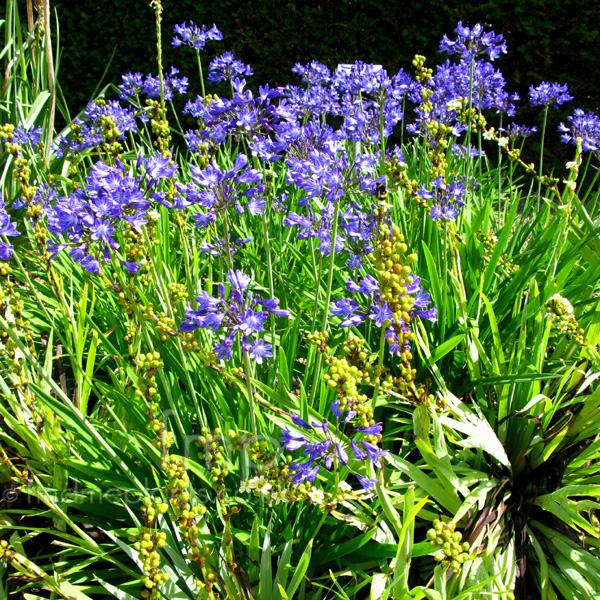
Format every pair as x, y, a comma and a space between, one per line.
135, 463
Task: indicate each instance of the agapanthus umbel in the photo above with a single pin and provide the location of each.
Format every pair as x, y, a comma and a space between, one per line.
471, 42
245, 114
227, 68
9, 229
89, 219
239, 313
549, 94
447, 198
99, 120
379, 312
584, 126
217, 190
194, 36
322, 448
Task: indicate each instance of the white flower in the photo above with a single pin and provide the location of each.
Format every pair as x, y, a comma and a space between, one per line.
317, 496
344, 487
261, 485
455, 104
279, 496
246, 486
502, 142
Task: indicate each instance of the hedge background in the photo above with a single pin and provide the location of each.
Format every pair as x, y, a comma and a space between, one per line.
552, 40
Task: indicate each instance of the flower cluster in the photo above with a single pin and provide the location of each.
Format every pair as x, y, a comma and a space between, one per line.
136, 84
244, 115
227, 68
100, 122
194, 36
323, 448
549, 94
238, 314
379, 311
562, 315
218, 190
90, 217
447, 198
583, 126
9, 229
471, 42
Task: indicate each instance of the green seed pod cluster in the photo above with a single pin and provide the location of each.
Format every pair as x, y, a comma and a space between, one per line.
177, 292
160, 126
213, 453
562, 315
347, 373
505, 266
190, 343
149, 540
165, 326
319, 339
147, 389
5, 551
452, 552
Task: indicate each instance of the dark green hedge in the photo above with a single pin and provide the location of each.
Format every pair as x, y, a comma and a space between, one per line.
547, 40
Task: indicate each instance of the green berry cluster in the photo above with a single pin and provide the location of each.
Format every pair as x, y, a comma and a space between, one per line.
177, 292
345, 374
149, 540
5, 551
394, 274
185, 513
165, 326
505, 266
160, 126
147, 365
563, 318
213, 453
452, 552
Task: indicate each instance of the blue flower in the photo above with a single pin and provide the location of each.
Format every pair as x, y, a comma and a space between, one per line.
321, 448
236, 313
227, 68
194, 36
471, 42
549, 94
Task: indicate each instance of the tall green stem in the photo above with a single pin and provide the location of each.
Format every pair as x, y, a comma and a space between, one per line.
334, 228
542, 159
200, 72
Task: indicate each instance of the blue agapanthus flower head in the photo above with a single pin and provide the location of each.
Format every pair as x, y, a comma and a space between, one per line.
583, 126
549, 94
194, 36
227, 68
321, 447
471, 42
238, 313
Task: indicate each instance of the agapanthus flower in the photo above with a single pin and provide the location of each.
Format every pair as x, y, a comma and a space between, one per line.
194, 36
217, 190
111, 199
227, 68
447, 198
245, 114
321, 448
379, 312
90, 128
23, 137
515, 131
471, 42
584, 126
9, 229
549, 94
238, 313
